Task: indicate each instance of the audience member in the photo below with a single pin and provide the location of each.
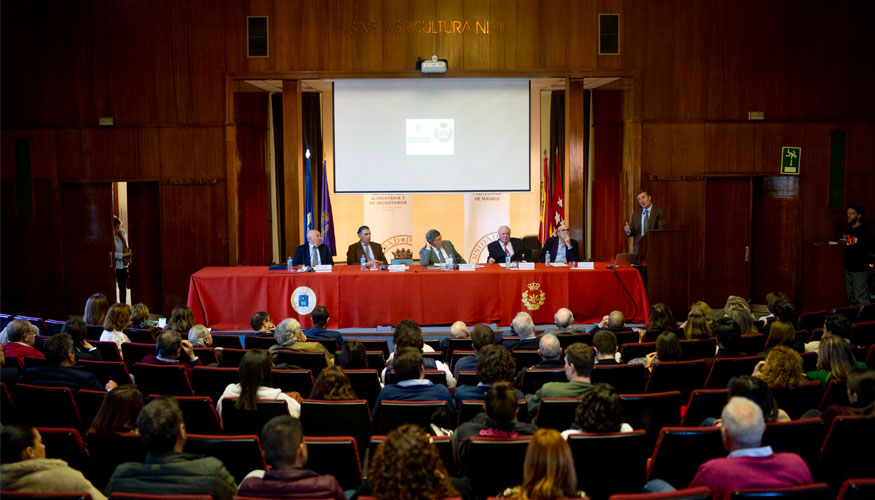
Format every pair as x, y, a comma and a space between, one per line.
756, 390
564, 321
60, 370
523, 326
409, 335
289, 337
167, 468
578, 369
8, 373
254, 383
835, 324
332, 384
697, 327
320, 316
282, 440
173, 350
118, 411
22, 338
260, 322
117, 319
739, 310
599, 411
550, 351
181, 319
200, 336
494, 364
81, 347
140, 317
482, 336
728, 335
748, 465
702, 307
780, 309
548, 471
26, 469
861, 395
409, 326
458, 330
605, 344
782, 367
668, 348
353, 355
95, 309
411, 384
835, 359
615, 322
782, 333
661, 320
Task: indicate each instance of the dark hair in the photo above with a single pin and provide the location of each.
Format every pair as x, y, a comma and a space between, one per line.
605, 341
158, 423
320, 315
77, 329
581, 356
495, 363
481, 336
281, 437
661, 319
599, 410
501, 401
353, 355
756, 390
407, 325
181, 319
780, 306
857, 208
254, 373
728, 333
697, 327
117, 318
362, 228
118, 411
332, 384
407, 466
667, 347
139, 314
781, 333
257, 320
407, 363
862, 383
837, 324
95, 309
14, 439
58, 348
642, 191
169, 343
408, 338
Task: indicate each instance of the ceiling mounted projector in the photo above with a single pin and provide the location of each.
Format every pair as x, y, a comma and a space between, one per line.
434, 66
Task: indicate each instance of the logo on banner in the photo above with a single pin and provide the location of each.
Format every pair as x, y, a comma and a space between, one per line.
303, 300
398, 247
534, 297
481, 245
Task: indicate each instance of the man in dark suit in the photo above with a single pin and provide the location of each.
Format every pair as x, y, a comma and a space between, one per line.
523, 326
373, 252
314, 252
61, 370
564, 321
320, 320
645, 219
437, 250
506, 246
561, 247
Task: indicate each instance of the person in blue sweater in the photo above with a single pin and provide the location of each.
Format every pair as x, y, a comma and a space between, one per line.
494, 364
412, 384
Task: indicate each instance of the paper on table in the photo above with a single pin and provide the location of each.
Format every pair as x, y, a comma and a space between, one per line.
558, 264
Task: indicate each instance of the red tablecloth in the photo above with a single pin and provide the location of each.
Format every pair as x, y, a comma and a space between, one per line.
225, 297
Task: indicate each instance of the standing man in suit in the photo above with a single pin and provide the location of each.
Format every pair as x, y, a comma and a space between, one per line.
437, 251
506, 246
649, 217
561, 247
373, 252
314, 252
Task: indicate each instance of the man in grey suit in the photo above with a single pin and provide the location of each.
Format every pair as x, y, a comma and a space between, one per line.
437, 251
645, 219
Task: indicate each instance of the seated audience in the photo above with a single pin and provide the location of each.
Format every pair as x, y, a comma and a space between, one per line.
482, 336
739, 310
285, 451
564, 321
756, 390
22, 338
260, 322
200, 336
181, 319
661, 320
408, 336
523, 326
95, 309
550, 351
499, 420
332, 384
615, 322
117, 319
748, 465
173, 350
728, 335
254, 383
605, 344
782, 368
599, 411
8, 373
835, 359
411, 383
140, 317
494, 364
782, 333
289, 337
81, 347
167, 468
458, 330
548, 471
353, 355
835, 324
320, 321
861, 395
697, 327
118, 411
409, 326
702, 307
668, 348
60, 369
26, 469
578, 369
780, 309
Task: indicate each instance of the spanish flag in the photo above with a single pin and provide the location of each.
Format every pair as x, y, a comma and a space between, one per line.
543, 228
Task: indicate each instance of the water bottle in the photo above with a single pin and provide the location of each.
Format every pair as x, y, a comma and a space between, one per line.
450, 263
507, 261
364, 265
547, 258
289, 266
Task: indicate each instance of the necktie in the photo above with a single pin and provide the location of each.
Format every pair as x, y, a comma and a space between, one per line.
506, 251
440, 255
646, 221
314, 259
369, 254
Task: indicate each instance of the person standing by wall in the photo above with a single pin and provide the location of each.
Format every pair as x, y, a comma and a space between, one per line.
857, 257
122, 259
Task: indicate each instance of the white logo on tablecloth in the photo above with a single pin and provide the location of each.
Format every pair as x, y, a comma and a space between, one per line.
303, 300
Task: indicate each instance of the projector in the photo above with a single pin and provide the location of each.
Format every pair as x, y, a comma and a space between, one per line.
434, 66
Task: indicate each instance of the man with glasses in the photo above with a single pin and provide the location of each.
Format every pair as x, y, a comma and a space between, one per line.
561, 247
22, 337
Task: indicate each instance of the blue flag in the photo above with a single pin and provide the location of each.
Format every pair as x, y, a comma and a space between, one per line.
308, 194
327, 215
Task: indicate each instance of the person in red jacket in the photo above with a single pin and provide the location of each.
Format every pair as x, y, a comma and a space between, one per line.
22, 337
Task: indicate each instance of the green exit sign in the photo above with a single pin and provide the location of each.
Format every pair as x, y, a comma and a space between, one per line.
790, 158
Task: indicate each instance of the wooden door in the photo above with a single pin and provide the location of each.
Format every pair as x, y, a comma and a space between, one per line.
776, 240
727, 239
144, 230
87, 245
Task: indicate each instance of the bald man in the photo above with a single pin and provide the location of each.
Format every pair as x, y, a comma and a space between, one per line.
314, 252
505, 246
564, 321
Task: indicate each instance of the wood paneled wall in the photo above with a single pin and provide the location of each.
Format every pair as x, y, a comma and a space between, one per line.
163, 70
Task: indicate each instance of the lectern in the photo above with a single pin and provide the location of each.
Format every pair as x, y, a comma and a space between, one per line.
664, 257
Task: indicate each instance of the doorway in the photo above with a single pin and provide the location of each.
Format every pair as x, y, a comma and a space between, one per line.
727, 238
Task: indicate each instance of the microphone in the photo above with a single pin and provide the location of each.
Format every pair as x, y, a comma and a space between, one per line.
610, 266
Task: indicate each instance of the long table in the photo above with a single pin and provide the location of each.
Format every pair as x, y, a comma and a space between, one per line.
226, 297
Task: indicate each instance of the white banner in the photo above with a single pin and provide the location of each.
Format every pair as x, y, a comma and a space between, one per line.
484, 214
390, 217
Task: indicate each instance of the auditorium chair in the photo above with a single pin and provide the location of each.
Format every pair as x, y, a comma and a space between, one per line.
816, 334
704, 403
436, 377
698, 493
626, 337
4, 320
376, 359
236, 421
651, 335
566, 340
848, 450
818, 491
802, 437
683, 376
108, 451
23, 495
133, 353
857, 489
140, 335
94, 332
108, 350
299, 380
365, 383
494, 464
797, 400
456, 356
199, 414
392, 414
802, 336
38, 323
8, 411
313, 361
556, 413
211, 381
680, 451
444, 445
812, 320
207, 355
698, 349
724, 369
434, 344
229, 340
863, 334
147, 496
467, 377
47, 406
469, 408
635, 350
652, 412
162, 379
258, 342
66, 444
849, 312
866, 314
626, 379
615, 462
105, 371
52, 325
753, 343
335, 455
231, 357
89, 403
28, 362
381, 345
338, 418
459, 345
534, 378
870, 357
240, 454
525, 358
809, 361
835, 393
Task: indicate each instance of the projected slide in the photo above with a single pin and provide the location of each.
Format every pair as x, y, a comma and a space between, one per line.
430, 137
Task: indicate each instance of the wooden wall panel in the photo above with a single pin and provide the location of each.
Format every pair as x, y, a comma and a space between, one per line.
576, 174
555, 22
657, 148
450, 46
688, 148
478, 53
607, 216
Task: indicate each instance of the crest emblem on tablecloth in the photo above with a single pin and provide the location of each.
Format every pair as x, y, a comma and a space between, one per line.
534, 297
303, 300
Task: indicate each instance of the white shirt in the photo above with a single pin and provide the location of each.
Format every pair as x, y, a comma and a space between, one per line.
508, 248
369, 254
115, 336
763, 451
233, 391
317, 256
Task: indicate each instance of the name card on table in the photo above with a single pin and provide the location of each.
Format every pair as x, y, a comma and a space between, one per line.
323, 268
527, 265
397, 268
467, 267
584, 265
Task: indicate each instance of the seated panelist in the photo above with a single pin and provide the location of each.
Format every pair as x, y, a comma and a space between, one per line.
505, 246
437, 251
373, 252
314, 252
561, 247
